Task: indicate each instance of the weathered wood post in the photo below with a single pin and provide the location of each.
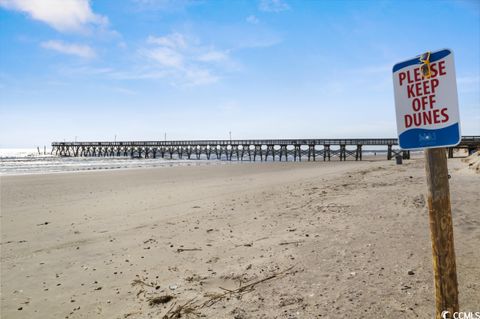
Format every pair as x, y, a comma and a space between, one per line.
441, 229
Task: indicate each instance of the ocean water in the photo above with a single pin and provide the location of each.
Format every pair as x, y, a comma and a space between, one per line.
28, 161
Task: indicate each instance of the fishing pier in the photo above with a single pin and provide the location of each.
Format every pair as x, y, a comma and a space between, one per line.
241, 150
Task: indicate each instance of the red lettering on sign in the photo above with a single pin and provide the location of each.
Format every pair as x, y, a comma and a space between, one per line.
429, 117
410, 91
401, 77
432, 101
435, 83
441, 68
408, 121
445, 115
436, 116
421, 92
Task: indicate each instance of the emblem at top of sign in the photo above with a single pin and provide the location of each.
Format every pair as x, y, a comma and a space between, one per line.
425, 59
426, 101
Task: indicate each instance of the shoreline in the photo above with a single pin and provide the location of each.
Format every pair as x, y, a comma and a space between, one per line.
109, 163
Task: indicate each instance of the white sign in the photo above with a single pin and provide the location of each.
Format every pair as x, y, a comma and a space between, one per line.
426, 101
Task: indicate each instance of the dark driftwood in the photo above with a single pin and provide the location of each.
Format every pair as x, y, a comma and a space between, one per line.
192, 307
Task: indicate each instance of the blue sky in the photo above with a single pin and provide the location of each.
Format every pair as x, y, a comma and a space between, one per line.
199, 69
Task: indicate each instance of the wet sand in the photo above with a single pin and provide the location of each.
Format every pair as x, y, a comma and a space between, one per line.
353, 238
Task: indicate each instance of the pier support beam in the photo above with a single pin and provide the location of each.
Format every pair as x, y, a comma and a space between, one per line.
258, 149
450, 152
270, 151
326, 152
358, 155
283, 152
311, 152
246, 149
297, 151
343, 153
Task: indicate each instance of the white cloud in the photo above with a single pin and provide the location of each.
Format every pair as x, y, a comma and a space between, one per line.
174, 40
273, 5
184, 59
213, 56
165, 56
252, 19
80, 50
62, 15
200, 76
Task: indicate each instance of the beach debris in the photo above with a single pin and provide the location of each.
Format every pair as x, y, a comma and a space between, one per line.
290, 300
419, 201
180, 310
150, 241
292, 242
213, 260
181, 250
195, 278
173, 287
45, 223
473, 161
160, 300
193, 306
239, 313
11, 241
140, 282
131, 314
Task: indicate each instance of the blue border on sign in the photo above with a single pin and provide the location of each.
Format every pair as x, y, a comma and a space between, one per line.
425, 138
433, 57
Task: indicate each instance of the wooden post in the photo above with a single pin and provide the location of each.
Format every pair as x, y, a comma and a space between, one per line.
441, 229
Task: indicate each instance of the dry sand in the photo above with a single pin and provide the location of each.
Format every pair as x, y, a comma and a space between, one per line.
99, 245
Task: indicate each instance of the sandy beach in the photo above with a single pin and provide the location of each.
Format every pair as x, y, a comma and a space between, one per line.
304, 240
